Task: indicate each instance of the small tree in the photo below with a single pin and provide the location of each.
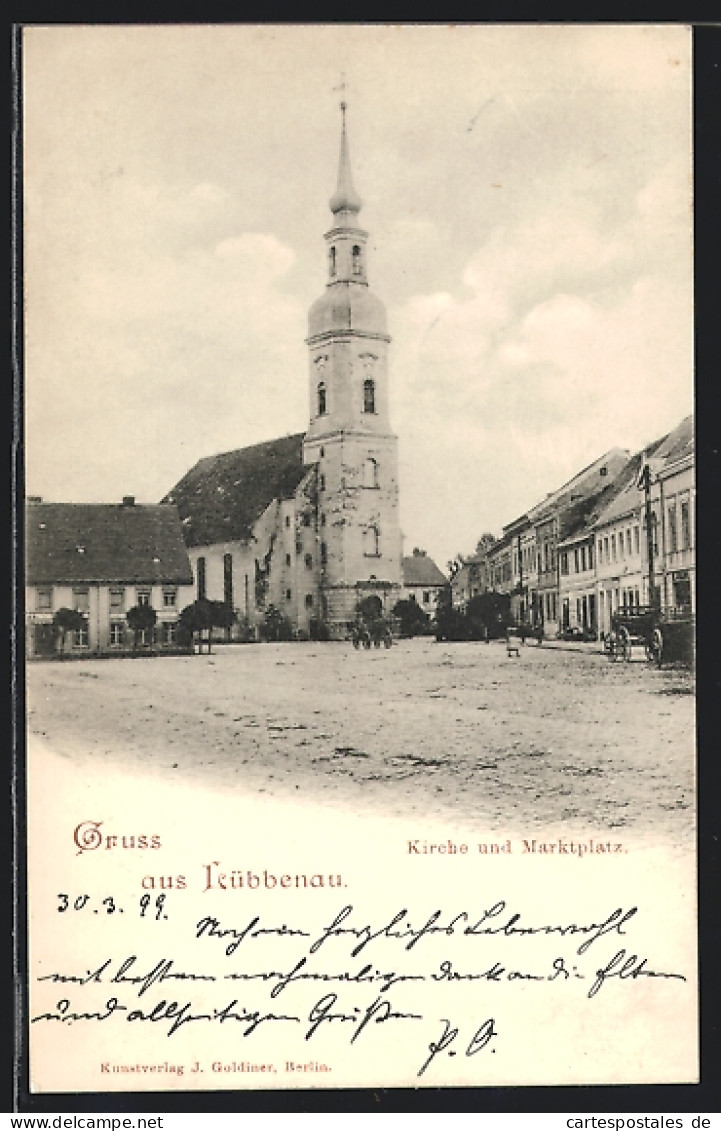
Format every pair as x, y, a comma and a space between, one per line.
413, 620
141, 618
275, 626
67, 620
203, 616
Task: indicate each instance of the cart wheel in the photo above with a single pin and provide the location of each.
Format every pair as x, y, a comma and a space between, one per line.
654, 648
624, 643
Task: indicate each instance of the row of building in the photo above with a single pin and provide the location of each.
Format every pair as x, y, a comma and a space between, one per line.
619, 534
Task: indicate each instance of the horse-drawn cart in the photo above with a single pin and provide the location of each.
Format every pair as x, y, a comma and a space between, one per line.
663, 636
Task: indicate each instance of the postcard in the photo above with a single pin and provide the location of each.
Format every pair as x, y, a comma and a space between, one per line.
360, 552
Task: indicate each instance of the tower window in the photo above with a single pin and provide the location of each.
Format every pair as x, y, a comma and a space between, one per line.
371, 542
370, 473
369, 395
322, 399
356, 260
331, 262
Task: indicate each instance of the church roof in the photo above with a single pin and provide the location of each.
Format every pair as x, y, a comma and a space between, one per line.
221, 498
422, 570
91, 543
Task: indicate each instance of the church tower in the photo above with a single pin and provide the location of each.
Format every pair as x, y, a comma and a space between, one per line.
349, 436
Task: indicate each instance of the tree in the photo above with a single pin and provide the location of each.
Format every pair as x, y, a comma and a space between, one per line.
275, 626
484, 543
203, 616
413, 620
141, 618
67, 620
455, 565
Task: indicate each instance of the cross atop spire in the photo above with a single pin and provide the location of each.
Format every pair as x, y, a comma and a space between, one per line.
345, 198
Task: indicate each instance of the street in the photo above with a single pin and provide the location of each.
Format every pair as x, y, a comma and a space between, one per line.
555, 739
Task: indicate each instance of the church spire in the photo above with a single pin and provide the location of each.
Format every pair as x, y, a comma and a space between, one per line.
345, 199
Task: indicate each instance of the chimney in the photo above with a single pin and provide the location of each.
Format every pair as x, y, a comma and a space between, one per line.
128, 500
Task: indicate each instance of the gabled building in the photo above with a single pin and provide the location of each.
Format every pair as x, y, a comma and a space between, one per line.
423, 581
309, 524
560, 513
102, 560
644, 537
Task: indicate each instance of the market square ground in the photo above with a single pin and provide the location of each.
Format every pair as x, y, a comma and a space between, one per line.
558, 739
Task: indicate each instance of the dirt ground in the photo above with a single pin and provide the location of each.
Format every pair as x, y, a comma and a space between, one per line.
557, 738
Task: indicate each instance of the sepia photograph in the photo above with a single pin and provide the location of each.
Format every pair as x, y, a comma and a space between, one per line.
360, 556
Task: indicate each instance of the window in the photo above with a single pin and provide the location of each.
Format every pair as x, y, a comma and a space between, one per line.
575, 561
80, 637
145, 636
170, 597
288, 594
322, 519
44, 600
564, 562
308, 561
620, 544
613, 547
143, 596
426, 596
590, 555
309, 600
321, 482
299, 547
323, 554
117, 633
117, 600
228, 580
357, 269
287, 559
307, 519
685, 525
672, 530
605, 551
287, 520
628, 542
636, 540
170, 632
369, 395
322, 399
331, 262
371, 542
370, 472
81, 600
201, 579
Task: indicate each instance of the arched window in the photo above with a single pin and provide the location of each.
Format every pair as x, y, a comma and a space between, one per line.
331, 262
371, 542
356, 260
369, 395
322, 399
370, 473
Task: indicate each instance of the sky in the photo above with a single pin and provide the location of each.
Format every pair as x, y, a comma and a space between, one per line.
527, 192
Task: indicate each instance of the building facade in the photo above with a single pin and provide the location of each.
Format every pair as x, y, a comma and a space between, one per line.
100, 561
423, 582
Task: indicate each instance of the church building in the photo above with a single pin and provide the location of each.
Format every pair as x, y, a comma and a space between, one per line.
309, 523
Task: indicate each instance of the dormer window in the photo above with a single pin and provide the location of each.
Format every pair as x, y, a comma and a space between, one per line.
369, 395
322, 399
357, 269
331, 262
